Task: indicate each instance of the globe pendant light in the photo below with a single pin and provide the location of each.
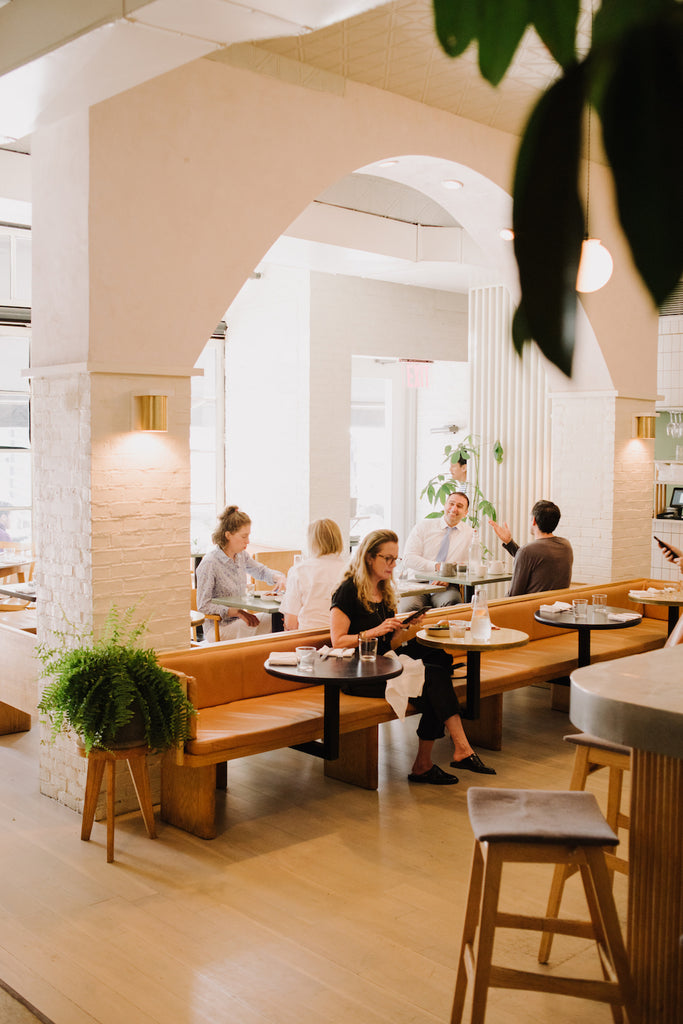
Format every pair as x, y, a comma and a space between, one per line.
596, 263
595, 266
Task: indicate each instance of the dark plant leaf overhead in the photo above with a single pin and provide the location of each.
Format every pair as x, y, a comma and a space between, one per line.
633, 74
642, 118
548, 219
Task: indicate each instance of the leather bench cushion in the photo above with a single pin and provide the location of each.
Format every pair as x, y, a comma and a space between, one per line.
233, 670
278, 720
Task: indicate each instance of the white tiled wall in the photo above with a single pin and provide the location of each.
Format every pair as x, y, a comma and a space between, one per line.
670, 362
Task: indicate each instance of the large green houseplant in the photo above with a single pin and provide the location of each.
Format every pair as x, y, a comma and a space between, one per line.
440, 486
107, 687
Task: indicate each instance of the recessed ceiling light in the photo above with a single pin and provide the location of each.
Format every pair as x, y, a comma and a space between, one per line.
507, 234
452, 183
388, 163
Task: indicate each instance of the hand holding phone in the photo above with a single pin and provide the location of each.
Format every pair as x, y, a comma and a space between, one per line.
412, 616
669, 551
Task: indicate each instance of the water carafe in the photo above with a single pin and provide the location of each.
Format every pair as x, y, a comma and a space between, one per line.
474, 557
480, 626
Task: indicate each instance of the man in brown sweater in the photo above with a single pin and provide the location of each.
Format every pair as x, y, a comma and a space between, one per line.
545, 563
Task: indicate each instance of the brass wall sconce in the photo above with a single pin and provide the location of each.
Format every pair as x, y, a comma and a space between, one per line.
644, 427
150, 412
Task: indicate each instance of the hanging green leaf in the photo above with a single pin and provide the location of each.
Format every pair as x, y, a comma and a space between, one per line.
641, 110
498, 452
555, 21
548, 219
456, 24
501, 27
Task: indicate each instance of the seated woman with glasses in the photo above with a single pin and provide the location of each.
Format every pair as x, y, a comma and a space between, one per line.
365, 604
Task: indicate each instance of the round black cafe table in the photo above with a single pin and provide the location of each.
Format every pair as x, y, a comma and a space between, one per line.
584, 627
334, 674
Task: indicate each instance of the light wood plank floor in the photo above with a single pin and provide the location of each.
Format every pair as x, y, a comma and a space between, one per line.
320, 902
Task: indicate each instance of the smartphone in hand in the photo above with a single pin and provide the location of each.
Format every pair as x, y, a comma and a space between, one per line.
412, 616
667, 548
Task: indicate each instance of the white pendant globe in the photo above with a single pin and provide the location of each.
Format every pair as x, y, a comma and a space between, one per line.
595, 266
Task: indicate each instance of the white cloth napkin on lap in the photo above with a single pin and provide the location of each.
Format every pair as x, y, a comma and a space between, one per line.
553, 609
622, 616
282, 658
409, 684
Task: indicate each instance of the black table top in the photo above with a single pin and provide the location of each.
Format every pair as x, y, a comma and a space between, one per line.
566, 620
326, 670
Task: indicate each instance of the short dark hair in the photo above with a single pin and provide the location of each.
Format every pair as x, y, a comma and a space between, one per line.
462, 462
546, 514
460, 494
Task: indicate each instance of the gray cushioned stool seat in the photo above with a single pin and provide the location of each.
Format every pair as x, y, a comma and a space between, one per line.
584, 739
537, 816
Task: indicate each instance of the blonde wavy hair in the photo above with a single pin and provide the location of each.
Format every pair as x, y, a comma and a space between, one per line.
358, 570
229, 521
324, 538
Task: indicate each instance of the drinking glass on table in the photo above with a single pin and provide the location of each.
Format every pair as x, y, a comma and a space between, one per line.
368, 648
305, 658
599, 605
580, 606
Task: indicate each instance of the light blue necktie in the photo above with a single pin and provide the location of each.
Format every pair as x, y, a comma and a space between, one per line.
442, 553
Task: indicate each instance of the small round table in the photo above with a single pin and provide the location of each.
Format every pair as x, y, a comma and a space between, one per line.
567, 620
500, 640
334, 673
672, 598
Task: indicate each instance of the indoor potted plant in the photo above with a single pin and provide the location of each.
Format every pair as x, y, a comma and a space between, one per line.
111, 690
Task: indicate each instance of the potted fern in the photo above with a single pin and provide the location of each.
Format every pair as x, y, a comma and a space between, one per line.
111, 690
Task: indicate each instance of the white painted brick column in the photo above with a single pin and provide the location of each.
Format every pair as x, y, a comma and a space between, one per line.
112, 525
602, 481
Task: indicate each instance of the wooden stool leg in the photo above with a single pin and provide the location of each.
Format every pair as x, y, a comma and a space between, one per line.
138, 769
612, 931
111, 802
562, 872
468, 933
493, 868
93, 785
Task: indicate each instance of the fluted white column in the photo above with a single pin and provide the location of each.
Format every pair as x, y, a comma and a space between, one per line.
509, 403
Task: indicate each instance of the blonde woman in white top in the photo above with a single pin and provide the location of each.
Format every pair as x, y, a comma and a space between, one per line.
311, 583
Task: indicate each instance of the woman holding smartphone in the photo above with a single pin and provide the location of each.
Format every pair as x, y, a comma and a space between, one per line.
364, 605
671, 553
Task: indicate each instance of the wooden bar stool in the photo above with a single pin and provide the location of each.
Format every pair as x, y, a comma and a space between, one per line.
98, 760
592, 754
539, 827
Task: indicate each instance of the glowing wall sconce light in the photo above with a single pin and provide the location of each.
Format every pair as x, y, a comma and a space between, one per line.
644, 427
150, 412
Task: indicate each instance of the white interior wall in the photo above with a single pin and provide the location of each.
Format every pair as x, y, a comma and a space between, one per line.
352, 316
267, 404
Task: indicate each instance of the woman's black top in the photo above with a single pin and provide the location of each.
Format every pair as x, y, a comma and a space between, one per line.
346, 599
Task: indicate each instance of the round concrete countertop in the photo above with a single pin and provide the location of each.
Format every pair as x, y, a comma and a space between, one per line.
637, 701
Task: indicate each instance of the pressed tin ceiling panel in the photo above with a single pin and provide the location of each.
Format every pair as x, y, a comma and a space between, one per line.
394, 47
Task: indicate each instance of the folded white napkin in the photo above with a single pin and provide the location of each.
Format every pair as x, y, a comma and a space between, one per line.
337, 652
282, 658
409, 684
553, 609
622, 616
651, 592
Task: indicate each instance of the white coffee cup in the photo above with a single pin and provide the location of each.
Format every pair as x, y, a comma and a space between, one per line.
496, 567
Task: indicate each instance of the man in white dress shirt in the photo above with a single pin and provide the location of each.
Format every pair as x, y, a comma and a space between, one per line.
433, 542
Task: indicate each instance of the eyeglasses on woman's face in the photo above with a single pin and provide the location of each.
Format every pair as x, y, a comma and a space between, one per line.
389, 559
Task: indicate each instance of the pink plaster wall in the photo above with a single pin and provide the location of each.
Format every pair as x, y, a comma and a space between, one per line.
194, 174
